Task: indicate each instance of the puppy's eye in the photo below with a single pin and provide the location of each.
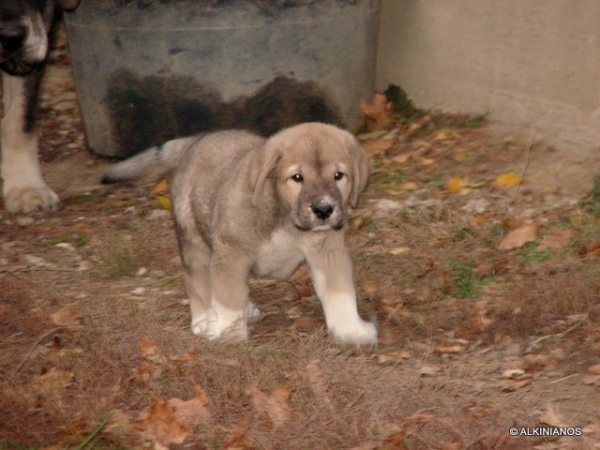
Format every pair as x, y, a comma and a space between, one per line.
339, 175
297, 178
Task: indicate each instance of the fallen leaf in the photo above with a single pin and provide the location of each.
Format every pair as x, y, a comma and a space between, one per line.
159, 425
591, 249
509, 180
393, 357
317, 383
161, 188
147, 348
454, 185
594, 370
446, 134
451, 349
237, 439
67, 317
399, 250
378, 146
164, 202
401, 159
396, 441
149, 351
190, 412
518, 237
559, 239
552, 417
275, 405
426, 161
379, 110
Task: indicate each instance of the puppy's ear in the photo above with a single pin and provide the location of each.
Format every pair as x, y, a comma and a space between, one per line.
68, 4
263, 162
361, 169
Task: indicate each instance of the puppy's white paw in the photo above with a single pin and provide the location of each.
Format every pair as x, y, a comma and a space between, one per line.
359, 333
221, 323
31, 198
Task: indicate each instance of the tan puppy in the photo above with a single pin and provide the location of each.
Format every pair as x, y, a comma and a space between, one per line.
245, 205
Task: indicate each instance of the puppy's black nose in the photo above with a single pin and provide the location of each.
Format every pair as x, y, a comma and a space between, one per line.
322, 210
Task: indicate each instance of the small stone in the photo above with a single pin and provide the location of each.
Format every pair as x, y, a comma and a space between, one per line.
139, 291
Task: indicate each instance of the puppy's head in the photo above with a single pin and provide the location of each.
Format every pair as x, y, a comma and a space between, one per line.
317, 170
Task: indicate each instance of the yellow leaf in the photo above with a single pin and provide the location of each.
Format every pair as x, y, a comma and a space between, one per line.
161, 187
509, 180
409, 186
454, 185
164, 202
398, 250
400, 159
426, 161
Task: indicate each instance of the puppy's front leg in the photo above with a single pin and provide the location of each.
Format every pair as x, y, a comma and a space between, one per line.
331, 271
24, 187
230, 308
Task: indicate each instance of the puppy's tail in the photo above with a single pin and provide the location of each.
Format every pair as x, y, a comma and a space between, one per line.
154, 162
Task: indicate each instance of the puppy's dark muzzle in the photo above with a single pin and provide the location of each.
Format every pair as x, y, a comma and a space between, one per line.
323, 210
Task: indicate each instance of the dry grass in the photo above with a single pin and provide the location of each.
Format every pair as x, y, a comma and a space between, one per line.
454, 314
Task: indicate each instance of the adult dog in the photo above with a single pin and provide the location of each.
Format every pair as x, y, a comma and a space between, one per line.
24, 28
243, 205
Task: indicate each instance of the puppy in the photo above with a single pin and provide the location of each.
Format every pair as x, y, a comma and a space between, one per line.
245, 205
24, 27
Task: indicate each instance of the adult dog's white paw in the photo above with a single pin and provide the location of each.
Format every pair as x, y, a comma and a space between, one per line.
359, 333
31, 198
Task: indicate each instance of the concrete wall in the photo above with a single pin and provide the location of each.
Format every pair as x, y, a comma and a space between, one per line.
529, 63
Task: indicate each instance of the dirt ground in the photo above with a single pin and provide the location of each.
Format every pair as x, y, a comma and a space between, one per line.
475, 251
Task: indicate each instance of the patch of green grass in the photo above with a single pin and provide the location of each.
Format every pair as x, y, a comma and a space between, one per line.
591, 201
76, 239
403, 106
123, 254
532, 254
467, 284
88, 198
11, 445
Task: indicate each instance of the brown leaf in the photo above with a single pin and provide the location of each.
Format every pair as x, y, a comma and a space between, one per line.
518, 238
67, 317
159, 424
378, 146
552, 417
558, 239
190, 412
317, 383
395, 441
54, 381
591, 249
275, 405
150, 351
379, 110
237, 439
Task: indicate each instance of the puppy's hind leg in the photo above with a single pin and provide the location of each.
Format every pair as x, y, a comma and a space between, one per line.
229, 294
24, 187
195, 256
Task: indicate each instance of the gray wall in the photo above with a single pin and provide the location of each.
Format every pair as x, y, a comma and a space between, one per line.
529, 63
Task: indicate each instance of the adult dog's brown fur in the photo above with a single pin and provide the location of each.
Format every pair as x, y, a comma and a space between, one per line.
244, 205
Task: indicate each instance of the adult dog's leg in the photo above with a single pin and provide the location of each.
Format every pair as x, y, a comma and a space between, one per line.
24, 187
331, 271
